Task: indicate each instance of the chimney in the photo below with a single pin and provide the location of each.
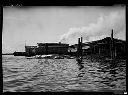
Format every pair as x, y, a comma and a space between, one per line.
78, 40
112, 34
81, 39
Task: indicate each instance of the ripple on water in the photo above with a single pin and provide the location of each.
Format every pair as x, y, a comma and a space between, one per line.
20, 74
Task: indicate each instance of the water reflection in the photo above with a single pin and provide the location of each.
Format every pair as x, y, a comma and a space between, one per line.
103, 76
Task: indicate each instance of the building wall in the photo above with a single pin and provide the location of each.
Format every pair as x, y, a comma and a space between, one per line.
52, 48
58, 49
118, 50
30, 50
40, 50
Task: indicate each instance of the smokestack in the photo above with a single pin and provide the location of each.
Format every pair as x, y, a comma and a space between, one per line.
79, 48
112, 34
78, 40
81, 39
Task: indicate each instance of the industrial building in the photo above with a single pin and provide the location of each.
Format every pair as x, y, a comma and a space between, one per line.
47, 48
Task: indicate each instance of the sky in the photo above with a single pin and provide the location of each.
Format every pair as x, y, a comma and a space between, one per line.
32, 25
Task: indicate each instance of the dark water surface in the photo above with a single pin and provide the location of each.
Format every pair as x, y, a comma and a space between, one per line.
36, 75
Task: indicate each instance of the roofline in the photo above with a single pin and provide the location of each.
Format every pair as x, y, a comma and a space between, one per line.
51, 43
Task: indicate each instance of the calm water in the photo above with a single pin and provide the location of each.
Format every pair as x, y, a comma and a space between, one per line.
36, 75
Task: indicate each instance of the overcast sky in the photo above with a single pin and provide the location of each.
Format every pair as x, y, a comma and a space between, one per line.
53, 24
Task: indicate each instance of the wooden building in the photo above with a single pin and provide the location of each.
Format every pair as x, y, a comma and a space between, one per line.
109, 47
115, 48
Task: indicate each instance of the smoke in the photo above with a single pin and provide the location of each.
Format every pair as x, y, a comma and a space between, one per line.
102, 28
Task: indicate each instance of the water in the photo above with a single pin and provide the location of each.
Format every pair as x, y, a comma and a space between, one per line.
40, 75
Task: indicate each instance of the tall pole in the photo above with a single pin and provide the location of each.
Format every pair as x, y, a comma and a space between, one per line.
25, 48
81, 49
112, 46
78, 48
25, 45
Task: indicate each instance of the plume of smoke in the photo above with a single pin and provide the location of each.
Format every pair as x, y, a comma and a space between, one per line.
94, 31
